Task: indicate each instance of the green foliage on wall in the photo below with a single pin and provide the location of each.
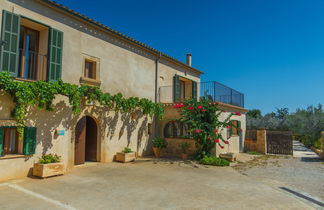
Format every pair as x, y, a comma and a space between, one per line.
42, 94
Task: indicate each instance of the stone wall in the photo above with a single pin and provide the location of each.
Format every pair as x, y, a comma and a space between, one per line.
174, 147
256, 140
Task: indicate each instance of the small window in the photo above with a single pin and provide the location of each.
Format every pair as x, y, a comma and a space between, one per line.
175, 129
11, 144
90, 69
234, 129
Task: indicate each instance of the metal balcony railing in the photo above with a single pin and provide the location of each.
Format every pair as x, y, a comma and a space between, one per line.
214, 91
32, 65
221, 93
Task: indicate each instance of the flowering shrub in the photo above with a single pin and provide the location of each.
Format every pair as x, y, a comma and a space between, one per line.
203, 120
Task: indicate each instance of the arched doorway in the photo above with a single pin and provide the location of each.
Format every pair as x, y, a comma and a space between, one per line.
86, 145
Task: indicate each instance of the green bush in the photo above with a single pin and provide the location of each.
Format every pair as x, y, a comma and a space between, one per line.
45, 159
305, 139
159, 142
127, 150
214, 161
318, 143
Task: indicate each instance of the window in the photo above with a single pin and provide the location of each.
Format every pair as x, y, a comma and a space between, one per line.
235, 128
31, 51
175, 129
90, 69
10, 143
29, 57
183, 88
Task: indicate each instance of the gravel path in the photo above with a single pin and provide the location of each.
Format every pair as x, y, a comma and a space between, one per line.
302, 174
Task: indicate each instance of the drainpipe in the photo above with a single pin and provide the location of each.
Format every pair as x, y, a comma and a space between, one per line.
157, 61
156, 100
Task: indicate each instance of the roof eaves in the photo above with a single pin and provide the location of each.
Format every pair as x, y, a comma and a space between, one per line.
79, 15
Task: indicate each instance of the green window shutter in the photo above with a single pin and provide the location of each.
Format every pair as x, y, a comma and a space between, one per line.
29, 141
230, 130
238, 126
176, 88
10, 50
194, 90
1, 141
55, 46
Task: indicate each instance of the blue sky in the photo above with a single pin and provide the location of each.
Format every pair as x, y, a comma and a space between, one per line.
271, 50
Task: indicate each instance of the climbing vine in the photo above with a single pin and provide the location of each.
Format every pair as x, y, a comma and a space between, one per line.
42, 94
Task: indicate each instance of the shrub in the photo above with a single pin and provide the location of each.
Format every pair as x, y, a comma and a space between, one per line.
45, 159
127, 150
305, 139
318, 143
159, 142
215, 161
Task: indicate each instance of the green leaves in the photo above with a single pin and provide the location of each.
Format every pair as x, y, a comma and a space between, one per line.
42, 94
204, 121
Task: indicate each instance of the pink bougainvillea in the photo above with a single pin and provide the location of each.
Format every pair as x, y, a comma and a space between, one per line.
238, 113
205, 123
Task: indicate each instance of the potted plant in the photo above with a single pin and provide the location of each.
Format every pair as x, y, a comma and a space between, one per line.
184, 147
127, 155
158, 144
48, 165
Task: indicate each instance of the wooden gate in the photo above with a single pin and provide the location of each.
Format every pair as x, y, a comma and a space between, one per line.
279, 142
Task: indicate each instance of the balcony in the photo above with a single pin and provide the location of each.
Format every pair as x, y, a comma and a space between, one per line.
32, 65
214, 91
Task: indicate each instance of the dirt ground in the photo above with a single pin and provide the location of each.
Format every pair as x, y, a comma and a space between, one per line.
302, 175
147, 184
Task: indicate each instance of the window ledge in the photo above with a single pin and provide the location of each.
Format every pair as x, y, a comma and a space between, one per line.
14, 156
88, 81
24, 80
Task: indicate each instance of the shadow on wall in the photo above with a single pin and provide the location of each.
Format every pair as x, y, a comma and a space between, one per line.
124, 124
46, 121
108, 121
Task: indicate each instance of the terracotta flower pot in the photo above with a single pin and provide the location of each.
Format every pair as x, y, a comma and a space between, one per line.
157, 152
184, 156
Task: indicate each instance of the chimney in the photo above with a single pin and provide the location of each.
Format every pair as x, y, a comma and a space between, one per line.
188, 59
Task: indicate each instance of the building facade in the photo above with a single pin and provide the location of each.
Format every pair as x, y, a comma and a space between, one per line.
42, 40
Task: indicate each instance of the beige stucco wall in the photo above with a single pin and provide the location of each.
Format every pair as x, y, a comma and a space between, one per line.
124, 68
115, 131
234, 141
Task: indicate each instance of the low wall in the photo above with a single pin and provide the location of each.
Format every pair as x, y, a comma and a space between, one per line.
272, 142
174, 147
255, 140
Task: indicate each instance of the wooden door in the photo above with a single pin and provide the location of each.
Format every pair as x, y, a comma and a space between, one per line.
91, 140
80, 141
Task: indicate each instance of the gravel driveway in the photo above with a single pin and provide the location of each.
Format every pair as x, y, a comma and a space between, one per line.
303, 174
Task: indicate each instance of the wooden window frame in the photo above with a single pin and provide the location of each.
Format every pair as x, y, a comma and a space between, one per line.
6, 142
90, 81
